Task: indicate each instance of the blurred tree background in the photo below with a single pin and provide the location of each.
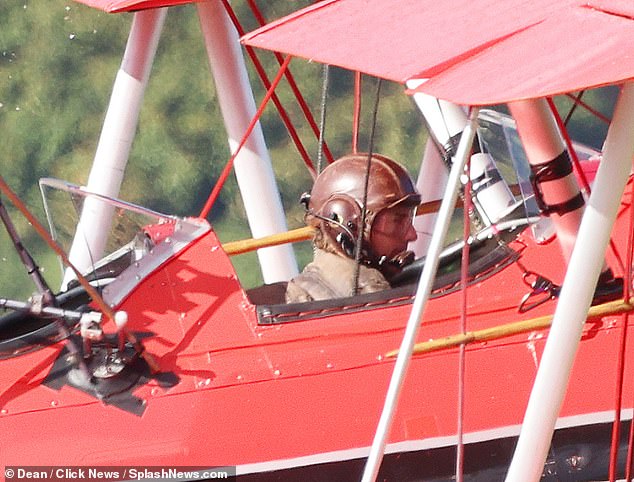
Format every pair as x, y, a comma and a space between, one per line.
58, 61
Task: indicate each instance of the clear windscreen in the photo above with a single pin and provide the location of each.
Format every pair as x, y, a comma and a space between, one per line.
101, 235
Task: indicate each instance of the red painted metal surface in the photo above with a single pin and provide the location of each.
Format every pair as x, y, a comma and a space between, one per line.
253, 394
262, 394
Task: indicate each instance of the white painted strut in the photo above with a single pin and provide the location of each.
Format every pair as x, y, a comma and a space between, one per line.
252, 165
445, 121
420, 301
431, 182
116, 138
492, 197
576, 296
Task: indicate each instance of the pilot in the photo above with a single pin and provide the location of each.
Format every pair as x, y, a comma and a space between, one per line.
334, 209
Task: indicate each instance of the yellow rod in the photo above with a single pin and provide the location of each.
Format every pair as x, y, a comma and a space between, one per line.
246, 245
510, 329
295, 235
303, 234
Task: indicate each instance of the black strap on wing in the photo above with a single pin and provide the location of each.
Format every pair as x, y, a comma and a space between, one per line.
555, 169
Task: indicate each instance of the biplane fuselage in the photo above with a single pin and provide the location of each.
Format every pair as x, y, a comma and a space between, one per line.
214, 375
289, 388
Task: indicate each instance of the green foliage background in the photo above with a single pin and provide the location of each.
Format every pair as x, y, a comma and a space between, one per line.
58, 61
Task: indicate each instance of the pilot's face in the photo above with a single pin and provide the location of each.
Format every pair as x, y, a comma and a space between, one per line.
392, 230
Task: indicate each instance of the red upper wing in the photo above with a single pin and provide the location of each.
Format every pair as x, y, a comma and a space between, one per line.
474, 52
113, 6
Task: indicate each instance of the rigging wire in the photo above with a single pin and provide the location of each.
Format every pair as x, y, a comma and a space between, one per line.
618, 396
450, 147
627, 293
594, 112
33, 270
322, 118
215, 192
576, 101
96, 297
356, 112
578, 169
259, 68
75, 203
573, 154
421, 298
447, 153
620, 371
291, 82
464, 274
361, 229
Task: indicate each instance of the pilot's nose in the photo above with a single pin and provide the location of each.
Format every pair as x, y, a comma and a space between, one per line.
411, 234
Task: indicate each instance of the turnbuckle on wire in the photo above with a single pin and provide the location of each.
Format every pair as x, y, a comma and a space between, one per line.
542, 290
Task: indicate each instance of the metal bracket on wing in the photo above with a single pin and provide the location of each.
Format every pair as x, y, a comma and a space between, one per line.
185, 231
542, 290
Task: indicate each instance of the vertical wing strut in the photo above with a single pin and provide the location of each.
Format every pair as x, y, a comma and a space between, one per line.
422, 295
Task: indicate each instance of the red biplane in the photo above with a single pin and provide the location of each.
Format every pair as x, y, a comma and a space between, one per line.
502, 354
